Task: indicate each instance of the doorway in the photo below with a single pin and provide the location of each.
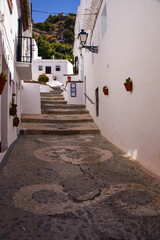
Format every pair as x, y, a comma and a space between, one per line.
97, 101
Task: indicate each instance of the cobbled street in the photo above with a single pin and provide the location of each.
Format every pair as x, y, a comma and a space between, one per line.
76, 187
63, 180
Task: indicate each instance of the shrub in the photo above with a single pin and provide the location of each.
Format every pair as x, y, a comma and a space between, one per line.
43, 78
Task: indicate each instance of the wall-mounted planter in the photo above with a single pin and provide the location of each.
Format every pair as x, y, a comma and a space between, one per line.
13, 110
15, 121
2, 84
68, 79
105, 91
128, 85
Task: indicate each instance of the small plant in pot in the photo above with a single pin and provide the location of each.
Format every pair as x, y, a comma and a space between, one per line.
43, 78
128, 84
105, 90
3, 81
54, 78
68, 79
16, 121
13, 109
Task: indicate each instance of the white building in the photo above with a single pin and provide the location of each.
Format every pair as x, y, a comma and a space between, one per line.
51, 67
127, 34
15, 61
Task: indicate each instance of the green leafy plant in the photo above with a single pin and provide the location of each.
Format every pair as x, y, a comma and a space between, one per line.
13, 95
105, 87
3, 75
128, 80
43, 78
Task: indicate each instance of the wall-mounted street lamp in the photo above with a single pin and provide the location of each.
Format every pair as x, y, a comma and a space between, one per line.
83, 39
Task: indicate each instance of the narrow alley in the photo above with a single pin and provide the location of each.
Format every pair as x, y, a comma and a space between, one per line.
63, 180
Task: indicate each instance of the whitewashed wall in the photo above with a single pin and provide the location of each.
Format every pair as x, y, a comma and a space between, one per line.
65, 66
79, 98
128, 48
31, 98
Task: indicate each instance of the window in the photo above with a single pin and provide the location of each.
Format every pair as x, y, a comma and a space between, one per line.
40, 68
48, 69
58, 68
104, 21
10, 5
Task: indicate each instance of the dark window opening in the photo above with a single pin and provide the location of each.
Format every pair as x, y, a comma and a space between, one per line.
58, 68
40, 68
48, 69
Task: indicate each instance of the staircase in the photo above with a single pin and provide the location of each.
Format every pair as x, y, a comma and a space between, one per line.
58, 117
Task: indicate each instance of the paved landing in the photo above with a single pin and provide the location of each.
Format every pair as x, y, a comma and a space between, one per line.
76, 188
59, 128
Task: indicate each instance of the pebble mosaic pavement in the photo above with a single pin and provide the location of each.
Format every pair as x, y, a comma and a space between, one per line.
76, 188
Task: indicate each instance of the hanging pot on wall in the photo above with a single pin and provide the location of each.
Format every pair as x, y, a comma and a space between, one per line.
2, 84
128, 84
13, 109
15, 121
105, 91
69, 79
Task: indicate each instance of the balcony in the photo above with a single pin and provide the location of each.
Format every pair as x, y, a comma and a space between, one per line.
24, 57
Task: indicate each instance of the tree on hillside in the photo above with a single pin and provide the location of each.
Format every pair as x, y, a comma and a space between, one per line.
68, 36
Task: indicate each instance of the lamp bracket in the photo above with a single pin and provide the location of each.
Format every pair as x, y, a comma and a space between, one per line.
93, 49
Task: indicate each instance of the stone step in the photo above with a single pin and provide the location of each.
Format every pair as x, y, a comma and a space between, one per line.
62, 106
51, 93
53, 102
52, 98
44, 118
59, 128
65, 111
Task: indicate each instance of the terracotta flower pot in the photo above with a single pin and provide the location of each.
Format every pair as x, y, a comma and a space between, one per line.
16, 121
105, 91
2, 84
128, 86
69, 79
13, 110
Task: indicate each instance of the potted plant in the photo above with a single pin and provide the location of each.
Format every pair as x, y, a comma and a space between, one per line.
128, 84
16, 121
13, 109
3, 81
105, 90
68, 79
43, 78
55, 78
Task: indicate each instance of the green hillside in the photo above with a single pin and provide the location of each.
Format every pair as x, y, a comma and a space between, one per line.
55, 36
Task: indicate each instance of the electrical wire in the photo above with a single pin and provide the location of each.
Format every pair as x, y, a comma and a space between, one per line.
38, 11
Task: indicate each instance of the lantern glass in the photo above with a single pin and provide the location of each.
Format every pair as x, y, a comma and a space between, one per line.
83, 37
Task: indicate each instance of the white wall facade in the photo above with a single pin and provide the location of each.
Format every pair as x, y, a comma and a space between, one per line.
128, 47
59, 67
74, 90
65, 67
31, 98
8, 64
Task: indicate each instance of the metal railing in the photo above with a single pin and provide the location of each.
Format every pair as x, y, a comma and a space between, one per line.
24, 49
88, 98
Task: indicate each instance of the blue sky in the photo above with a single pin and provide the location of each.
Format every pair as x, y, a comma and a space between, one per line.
55, 6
